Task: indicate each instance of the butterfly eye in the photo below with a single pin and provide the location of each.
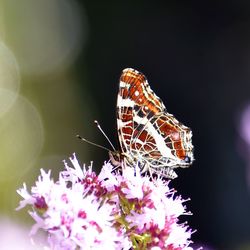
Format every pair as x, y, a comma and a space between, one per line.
187, 159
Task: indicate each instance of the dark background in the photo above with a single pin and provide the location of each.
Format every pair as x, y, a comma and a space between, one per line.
196, 58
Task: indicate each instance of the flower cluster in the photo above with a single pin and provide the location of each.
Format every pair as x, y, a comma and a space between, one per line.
112, 210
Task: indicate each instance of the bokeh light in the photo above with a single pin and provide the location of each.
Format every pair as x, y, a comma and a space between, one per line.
9, 78
244, 142
46, 36
14, 236
22, 136
39, 107
244, 125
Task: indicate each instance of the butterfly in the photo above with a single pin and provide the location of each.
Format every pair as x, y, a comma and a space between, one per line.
149, 136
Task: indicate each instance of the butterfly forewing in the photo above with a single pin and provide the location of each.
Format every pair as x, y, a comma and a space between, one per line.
148, 134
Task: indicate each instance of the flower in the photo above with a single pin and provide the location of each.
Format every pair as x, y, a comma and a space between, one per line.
118, 210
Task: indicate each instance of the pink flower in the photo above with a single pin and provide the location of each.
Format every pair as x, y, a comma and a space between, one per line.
112, 210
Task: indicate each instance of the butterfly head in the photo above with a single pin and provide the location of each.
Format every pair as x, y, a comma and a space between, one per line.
117, 158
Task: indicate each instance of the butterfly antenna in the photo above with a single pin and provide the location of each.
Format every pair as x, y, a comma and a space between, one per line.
92, 143
99, 127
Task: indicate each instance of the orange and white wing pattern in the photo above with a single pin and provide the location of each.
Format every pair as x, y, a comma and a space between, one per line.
149, 136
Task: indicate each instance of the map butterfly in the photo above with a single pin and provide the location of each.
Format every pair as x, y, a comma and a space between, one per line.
149, 136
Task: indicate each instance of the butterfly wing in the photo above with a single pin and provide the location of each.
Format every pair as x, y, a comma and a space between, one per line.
148, 134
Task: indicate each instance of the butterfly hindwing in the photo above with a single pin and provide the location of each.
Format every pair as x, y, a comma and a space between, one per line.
147, 133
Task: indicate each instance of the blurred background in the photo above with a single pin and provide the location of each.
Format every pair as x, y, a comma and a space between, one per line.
60, 62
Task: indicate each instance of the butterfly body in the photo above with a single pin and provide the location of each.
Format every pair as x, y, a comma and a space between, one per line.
148, 135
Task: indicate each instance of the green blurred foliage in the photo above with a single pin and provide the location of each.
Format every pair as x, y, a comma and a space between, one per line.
42, 107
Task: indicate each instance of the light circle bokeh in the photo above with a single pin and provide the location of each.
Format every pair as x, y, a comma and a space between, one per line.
244, 125
22, 138
45, 35
9, 79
